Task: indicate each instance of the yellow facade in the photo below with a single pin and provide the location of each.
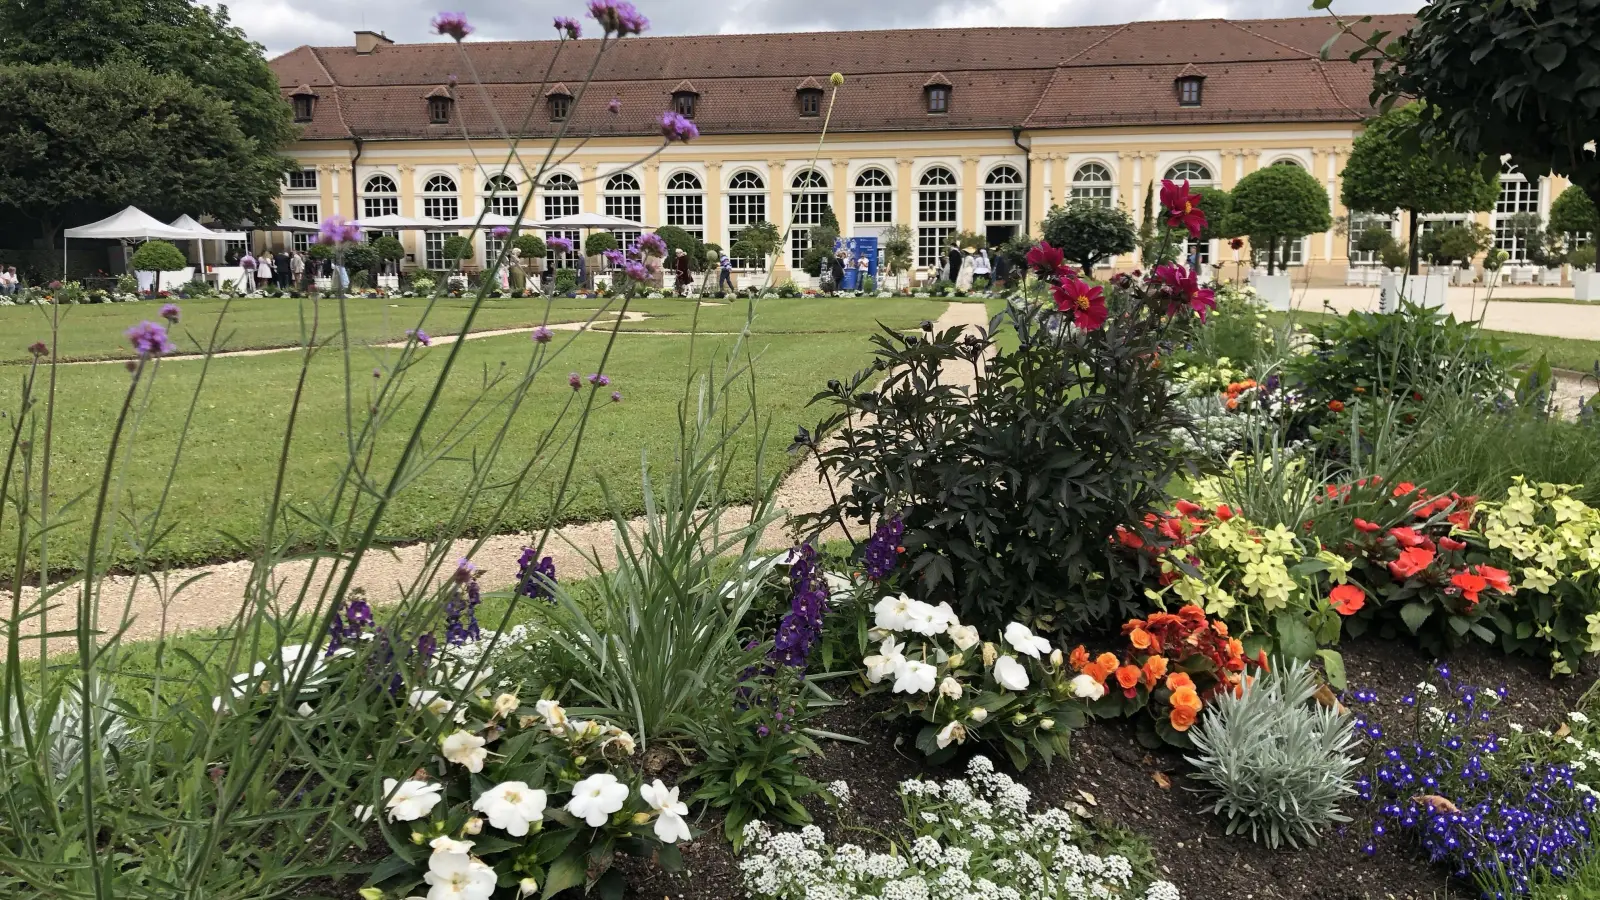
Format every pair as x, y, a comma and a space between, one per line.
1135, 157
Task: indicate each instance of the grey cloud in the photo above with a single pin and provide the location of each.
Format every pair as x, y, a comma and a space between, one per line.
282, 25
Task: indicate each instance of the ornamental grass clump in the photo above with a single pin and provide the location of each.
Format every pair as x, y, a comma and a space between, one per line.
1276, 762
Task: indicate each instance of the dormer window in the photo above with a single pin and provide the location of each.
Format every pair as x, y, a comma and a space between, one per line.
1189, 90
685, 98
560, 105
810, 103
936, 91
304, 101
439, 108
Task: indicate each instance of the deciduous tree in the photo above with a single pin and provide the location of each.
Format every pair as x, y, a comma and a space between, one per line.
1087, 233
1279, 204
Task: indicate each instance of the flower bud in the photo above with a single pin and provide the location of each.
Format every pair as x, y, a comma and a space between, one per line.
836, 79
473, 825
1056, 657
371, 893
989, 654
979, 714
956, 660
1048, 724
578, 761
1019, 718
416, 837
641, 818
527, 886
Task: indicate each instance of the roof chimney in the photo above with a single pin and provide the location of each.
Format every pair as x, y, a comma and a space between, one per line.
368, 41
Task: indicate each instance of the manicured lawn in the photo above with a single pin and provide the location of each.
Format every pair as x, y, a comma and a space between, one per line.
1563, 353
95, 331
225, 476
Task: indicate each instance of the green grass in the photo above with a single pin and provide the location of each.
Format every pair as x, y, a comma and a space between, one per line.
95, 331
1564, 353
226, 474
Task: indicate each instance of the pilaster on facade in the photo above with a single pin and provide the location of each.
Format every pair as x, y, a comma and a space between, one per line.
1037, 205
713, 203
839, 179
650, 189
588, 192
969, 193
902, 199
777, 181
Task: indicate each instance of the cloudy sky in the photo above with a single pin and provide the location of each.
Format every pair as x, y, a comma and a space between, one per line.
285, 24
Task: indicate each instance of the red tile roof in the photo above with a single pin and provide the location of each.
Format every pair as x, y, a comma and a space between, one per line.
1263, 70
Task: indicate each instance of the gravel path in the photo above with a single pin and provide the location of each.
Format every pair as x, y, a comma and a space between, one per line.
215, 598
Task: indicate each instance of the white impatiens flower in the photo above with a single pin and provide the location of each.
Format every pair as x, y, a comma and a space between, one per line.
914, 677
1024, 641
950, 688
506, 704
429, 700
670, 826
465, 748
413, 799
925, 618
446, 844
892, 613
1010, 673
595, 798
979, 714
1088, 687
457, 876
554, 715
953, 732
512, 806
884, 663
964, 636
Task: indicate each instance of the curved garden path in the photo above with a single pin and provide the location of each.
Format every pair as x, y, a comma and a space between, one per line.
215, 598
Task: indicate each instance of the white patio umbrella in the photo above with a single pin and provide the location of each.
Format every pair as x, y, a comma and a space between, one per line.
488, 220
589, 220
132, 224
396, 223
200, 234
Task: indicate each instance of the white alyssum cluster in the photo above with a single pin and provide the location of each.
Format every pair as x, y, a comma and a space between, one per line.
973, 840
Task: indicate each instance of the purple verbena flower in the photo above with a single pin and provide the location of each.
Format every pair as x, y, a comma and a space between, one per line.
599, 380
567, 27
882, 553
559, 243
500, 231
542, 335
170, 312
614, 106
675, 127
652, 244
534, 579
421, 336
616, 396
617, 17
150, 339
575, 380
452, 23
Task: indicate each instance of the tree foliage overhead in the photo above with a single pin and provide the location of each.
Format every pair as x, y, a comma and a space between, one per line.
1087, 233
1278, 204
1519, 78
80, 142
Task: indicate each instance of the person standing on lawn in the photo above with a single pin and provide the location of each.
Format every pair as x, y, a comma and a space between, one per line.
680, 269
725, 273
297, 269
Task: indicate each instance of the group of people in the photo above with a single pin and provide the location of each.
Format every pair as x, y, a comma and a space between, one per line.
10, 282
283, 269
975, 269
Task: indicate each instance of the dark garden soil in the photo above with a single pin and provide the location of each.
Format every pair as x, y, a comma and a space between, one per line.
1120, 783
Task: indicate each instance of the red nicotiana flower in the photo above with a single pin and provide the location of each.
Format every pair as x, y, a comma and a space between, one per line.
1086, 302
1183, 207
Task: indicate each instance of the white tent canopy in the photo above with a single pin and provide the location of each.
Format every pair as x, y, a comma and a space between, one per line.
202, 233
488, 220
133, 224
589, 220
292, 225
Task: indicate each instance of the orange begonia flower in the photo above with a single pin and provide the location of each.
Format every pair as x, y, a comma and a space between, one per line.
1139, 638
1178, 680
1079, 658
1186, 698
1107, 663
1155, 669
1181, 719
1128, 677
1235, 647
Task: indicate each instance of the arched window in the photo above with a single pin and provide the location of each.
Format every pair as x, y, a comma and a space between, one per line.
380, 197
1193, 172
622, 200
1002, 197
439, 201
501, 197
747, 205
807, 200
560, 198
1092, 184
936, 214
686, 203
874, 201
1288, 161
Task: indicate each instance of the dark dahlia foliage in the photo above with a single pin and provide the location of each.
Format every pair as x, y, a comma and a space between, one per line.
1010, 491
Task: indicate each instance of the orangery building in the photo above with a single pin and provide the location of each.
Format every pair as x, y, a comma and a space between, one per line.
960, 130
